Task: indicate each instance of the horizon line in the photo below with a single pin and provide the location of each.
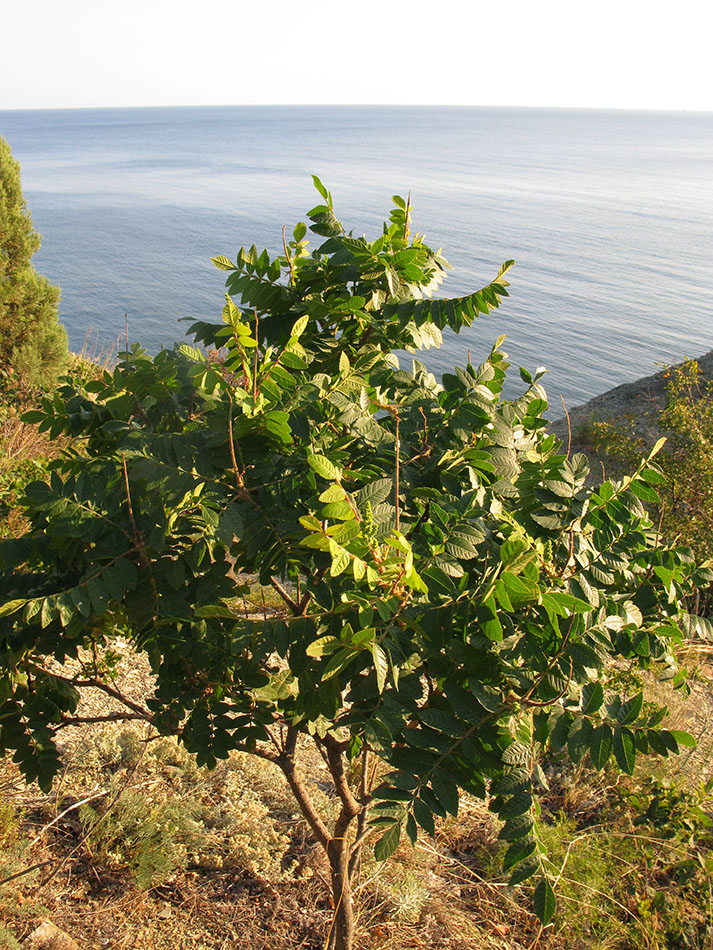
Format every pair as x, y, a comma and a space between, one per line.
355, 105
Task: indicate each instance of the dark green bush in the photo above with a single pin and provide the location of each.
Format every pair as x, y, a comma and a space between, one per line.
33, 345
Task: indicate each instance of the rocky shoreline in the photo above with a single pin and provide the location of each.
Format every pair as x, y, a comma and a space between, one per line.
639, 401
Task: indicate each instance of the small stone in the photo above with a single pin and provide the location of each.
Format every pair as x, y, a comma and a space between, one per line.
49, 937
165, 912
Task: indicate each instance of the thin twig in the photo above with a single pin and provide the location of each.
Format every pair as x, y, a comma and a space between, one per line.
257, 341
109, 717
239, 480
397, 474
569, 426
287, 256
292, 604
128, 499
138, 540
98, 684
33, 867
101, 819
74, 807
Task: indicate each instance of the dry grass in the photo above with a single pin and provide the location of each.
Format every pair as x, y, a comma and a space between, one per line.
236, 866
21, 441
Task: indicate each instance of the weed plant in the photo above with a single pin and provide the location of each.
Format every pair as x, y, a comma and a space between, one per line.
686, 510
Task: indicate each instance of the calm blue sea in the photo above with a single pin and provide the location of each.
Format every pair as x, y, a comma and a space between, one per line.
608, 215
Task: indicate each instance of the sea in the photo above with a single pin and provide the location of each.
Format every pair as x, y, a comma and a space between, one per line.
608, 215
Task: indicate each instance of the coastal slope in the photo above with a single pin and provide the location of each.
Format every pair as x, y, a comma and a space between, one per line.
639, 402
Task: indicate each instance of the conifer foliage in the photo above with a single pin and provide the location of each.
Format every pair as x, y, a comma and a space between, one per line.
454, 593
33, 345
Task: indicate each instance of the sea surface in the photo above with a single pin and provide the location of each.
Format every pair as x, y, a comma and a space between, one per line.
609, 216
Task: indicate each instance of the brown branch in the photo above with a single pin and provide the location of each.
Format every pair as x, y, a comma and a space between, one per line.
335, 759
109, 717
543, 704
362, 830
363, 833
525, 700
98, 684
272, 756
286, 761
291, 603
307, 599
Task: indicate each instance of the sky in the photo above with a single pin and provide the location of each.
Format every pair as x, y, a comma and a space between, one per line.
628, 54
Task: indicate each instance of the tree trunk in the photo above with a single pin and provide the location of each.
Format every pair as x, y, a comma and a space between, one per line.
342, 932
336, 846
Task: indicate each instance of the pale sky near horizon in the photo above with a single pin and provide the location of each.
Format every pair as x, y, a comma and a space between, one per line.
628, 54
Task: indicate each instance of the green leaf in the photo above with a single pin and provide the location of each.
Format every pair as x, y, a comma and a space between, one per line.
517, 805
645, 492
338, 511
525, 870
423, 815
653, 476
388, 842
223, 263
340, 560
631, 710
332, 494
11, 607
517, 852
544, 902
592, 697
299, 326
381, 665
600, 745
517, 754
446, 791
192, 353
683, 738
339, 662
512, 781
320, 188
516, 828
390, 794
322, 466
323, 646
516, 554
579, 738
624, 749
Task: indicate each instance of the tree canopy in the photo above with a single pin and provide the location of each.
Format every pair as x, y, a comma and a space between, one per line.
454, 592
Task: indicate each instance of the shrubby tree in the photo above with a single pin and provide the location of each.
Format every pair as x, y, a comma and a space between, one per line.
454, 594
33, 345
